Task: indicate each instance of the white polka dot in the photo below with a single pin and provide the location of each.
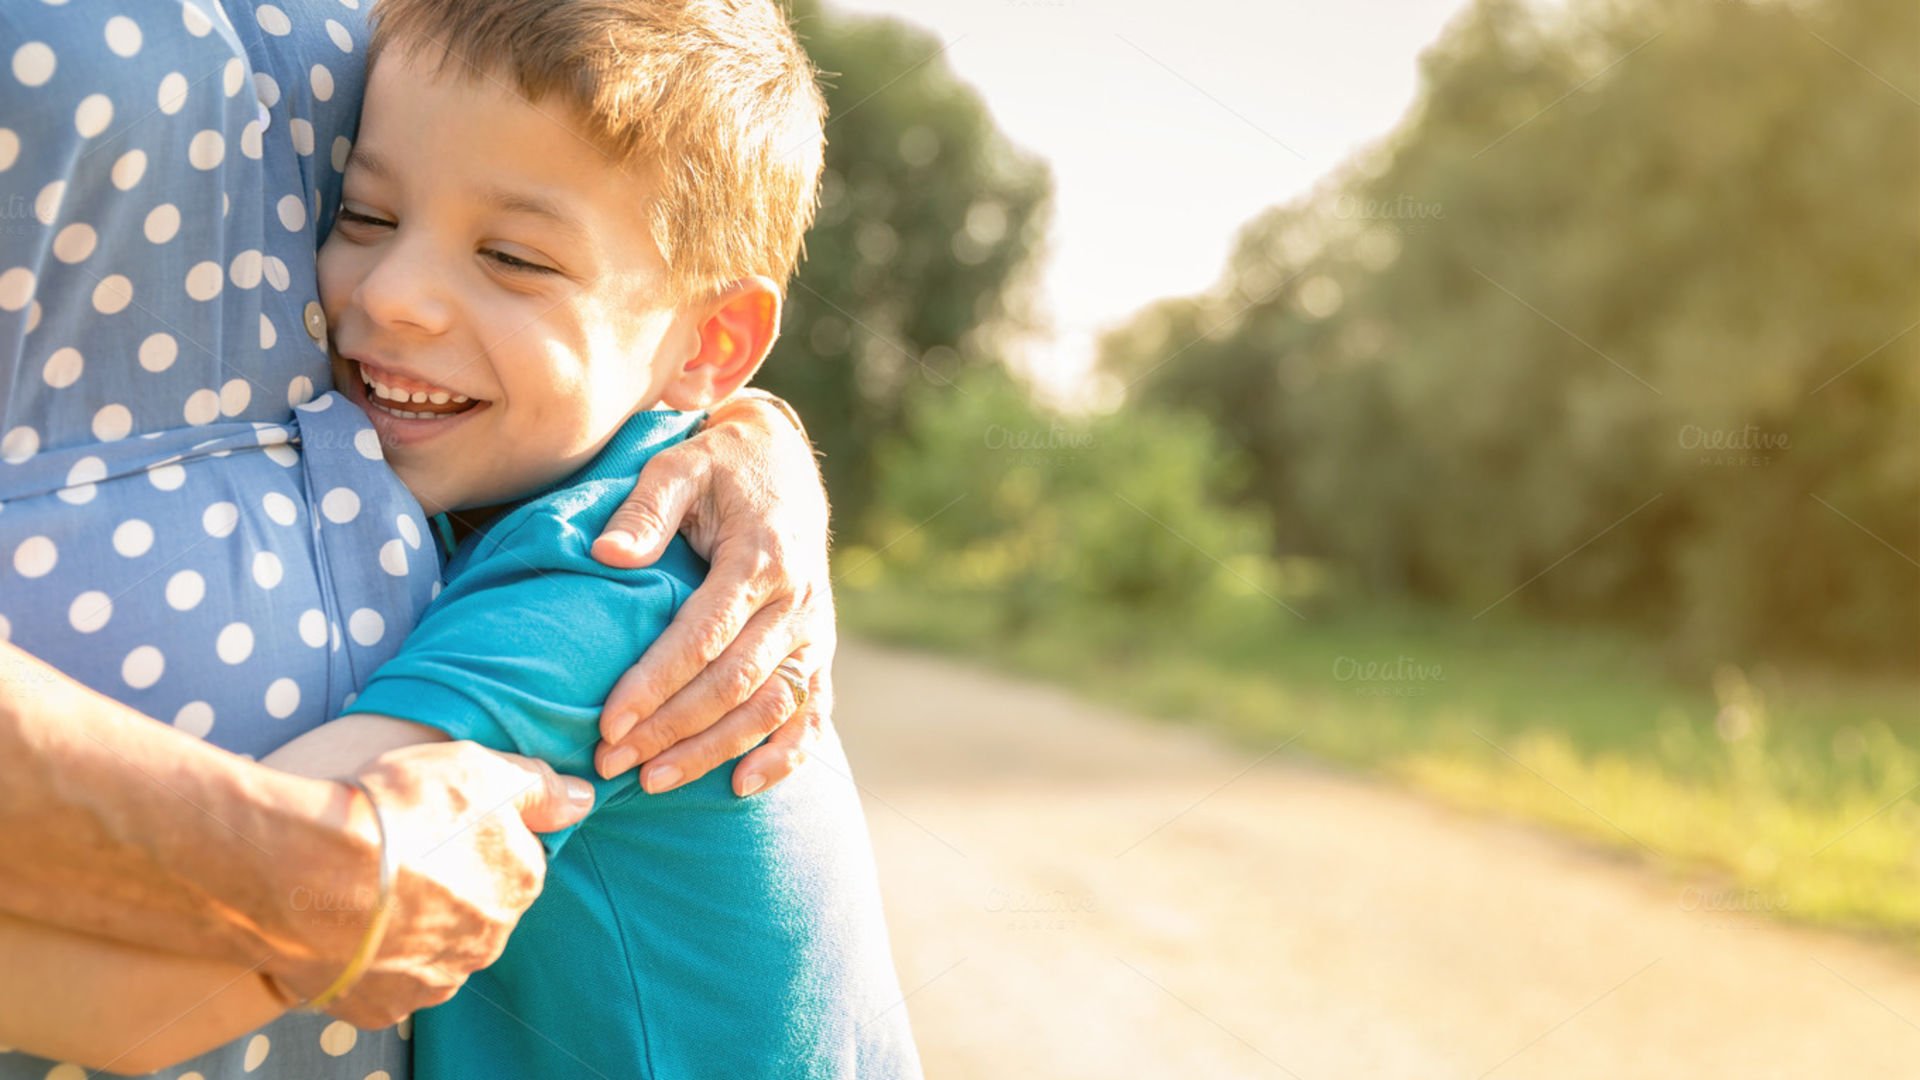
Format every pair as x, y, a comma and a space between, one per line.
203, 407
273, 20
226, 204
20, 444
367, 441
185, 590
283, 696
196, 719
129, 168
250, 139
319, 404
167, 477
81, 479
133, 538
245, 269
93, 115
123, 35
268, 335
74, 243
393, 558
275, 271
267, 570
339, 1036
235, 643
284, 456
258, 1046
35, 556
163, 222
16, 288
33, 63
299, 391
280, 509
112, 423
302, 133
9, 148
206, 150
234, 76
366, 626
322, 82
90, 611
220, 518
197, 22
340, 505
173, 91
409, 531
204, 281
293, 212
143, 667
33, 316
340, 36
46, 205
342, 146
113, 294
158, 351
6, 628
234, 396
336, 636
313, 627
63, 368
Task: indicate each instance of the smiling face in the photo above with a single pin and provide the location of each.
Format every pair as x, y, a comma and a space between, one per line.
498, 307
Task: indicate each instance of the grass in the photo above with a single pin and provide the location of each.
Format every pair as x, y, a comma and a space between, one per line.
1793, 792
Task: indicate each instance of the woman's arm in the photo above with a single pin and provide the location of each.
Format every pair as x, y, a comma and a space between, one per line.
115, 826
746, 492
119, 1008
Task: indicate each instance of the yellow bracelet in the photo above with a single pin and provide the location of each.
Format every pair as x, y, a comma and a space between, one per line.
363, 956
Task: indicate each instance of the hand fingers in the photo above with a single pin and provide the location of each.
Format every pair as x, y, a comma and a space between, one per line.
704, 628
550, 801
640, 530
786, 749
739, 731
768, 637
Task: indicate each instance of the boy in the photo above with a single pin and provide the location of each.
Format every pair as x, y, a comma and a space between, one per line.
561, 215
558, 217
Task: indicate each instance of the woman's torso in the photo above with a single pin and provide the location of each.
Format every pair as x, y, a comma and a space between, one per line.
172, 532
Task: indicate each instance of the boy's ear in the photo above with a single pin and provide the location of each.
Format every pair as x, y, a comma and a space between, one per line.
736, 330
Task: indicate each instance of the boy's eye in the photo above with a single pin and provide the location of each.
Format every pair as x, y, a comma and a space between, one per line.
352, 217
515, 263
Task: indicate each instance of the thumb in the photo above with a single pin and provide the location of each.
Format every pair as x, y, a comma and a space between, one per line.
553, 801
640, 530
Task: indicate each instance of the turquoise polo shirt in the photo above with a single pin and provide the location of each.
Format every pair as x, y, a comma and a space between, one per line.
687, 935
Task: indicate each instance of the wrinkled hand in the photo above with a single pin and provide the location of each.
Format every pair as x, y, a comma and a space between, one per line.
462, 820
747, 495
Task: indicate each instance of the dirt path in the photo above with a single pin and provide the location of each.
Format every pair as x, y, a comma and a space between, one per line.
1078, 893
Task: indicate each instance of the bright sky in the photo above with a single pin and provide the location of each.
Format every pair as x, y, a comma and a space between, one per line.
1169, 125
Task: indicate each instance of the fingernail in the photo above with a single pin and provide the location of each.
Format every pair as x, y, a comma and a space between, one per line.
618, 760
660, 779
752, 784
623, 540
618, 729
579, 792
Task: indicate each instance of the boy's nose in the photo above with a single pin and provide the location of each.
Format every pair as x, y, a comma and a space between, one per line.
403, 292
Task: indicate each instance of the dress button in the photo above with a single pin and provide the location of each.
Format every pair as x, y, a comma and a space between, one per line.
316, 321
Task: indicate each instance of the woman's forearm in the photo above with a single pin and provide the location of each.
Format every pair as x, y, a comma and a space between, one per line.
105, 1005
116, 826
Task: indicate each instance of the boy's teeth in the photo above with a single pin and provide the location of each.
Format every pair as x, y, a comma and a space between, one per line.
461, 399
439, 397
419, 397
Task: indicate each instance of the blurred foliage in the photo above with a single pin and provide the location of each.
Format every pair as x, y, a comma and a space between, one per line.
927, 218
1624, 315
987, 492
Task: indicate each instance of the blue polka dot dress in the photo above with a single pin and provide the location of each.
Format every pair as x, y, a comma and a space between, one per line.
190, 520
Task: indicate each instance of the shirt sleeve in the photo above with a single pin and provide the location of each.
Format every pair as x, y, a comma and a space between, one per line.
520, 650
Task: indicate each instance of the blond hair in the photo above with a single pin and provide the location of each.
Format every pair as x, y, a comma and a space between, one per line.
715, 96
